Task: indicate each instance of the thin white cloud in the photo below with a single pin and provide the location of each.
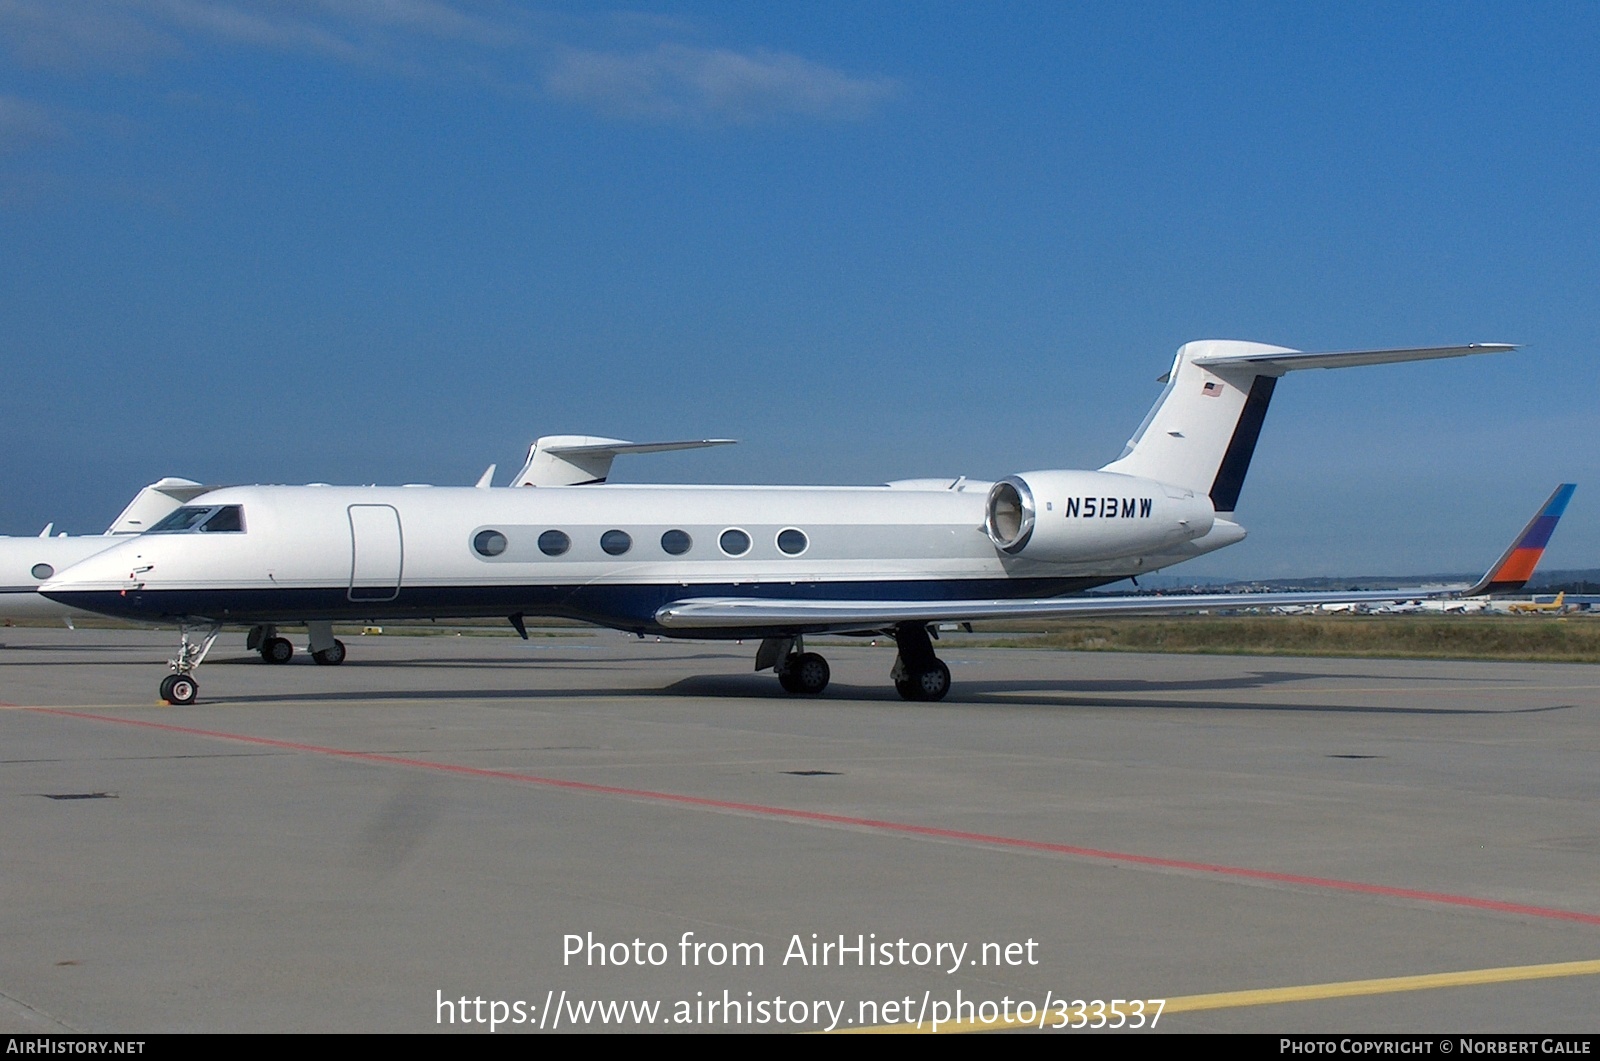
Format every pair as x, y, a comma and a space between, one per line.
503, 47
355, 30
80, 35
676, 82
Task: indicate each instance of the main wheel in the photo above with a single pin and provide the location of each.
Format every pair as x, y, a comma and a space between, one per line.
331, 657
277, 650
179, 689
810, 673
932, 681
929, 683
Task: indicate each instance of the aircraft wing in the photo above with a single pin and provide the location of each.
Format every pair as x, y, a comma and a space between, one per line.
1511, 571
851, 615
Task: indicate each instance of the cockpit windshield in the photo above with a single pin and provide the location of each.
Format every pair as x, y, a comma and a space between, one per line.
206, 519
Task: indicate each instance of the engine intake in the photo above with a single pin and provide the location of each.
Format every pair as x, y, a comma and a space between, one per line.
1010, 515
1069, 516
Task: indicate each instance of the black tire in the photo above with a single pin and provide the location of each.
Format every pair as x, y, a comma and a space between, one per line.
166, 687
180, 690
925, 685
789, 681
330, 657
277, 650
810, 673
932, 682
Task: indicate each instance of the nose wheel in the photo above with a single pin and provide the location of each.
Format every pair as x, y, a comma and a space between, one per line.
179, 690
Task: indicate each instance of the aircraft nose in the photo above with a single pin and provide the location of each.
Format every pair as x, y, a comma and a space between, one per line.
106, 583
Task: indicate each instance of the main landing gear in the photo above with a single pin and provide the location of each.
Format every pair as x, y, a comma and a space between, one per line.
273, 649
325, 648
179, 687
800, 672
918, 674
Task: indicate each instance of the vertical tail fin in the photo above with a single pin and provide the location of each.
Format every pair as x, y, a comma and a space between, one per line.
1515, 566
1202, 431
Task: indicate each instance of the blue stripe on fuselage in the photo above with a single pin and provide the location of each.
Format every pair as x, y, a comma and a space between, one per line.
625, 607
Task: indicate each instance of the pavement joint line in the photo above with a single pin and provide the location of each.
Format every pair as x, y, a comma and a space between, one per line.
1010, 843
1270, 996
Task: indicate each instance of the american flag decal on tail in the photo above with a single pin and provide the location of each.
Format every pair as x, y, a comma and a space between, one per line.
1212, 390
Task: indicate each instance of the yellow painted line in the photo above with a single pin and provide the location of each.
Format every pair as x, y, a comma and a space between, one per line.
1262, 997
1388, 985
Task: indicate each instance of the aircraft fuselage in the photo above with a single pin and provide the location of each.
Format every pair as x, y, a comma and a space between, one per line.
615, 555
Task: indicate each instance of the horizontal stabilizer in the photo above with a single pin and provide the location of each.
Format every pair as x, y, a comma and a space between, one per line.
1202, 431
152, 504
617, 447
1277, 362
585, 460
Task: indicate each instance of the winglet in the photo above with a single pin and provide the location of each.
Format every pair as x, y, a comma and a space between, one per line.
1515, 566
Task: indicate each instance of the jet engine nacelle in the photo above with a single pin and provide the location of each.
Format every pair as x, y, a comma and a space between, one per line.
1067, 516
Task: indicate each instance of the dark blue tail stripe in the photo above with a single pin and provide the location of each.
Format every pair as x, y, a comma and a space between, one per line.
1236, 461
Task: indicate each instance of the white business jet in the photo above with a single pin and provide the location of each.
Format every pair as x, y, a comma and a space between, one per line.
26, 563
774, 563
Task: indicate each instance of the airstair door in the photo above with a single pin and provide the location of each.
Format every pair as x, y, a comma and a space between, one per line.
376, 553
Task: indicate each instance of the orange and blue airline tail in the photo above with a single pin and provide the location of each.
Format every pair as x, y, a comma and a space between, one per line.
1516, 565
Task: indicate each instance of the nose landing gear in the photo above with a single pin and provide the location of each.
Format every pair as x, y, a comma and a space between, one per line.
179, 688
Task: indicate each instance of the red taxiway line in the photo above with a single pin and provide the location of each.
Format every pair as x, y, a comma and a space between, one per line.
901, 828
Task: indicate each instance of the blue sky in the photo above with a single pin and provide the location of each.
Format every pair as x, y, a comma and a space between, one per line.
393, 242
